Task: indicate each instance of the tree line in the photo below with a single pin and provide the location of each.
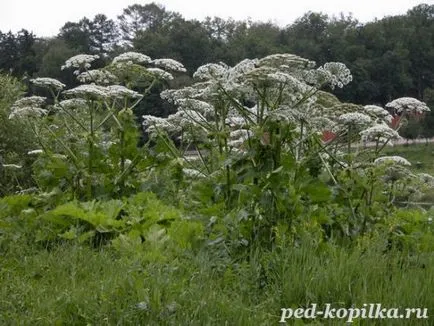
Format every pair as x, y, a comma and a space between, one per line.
389, 58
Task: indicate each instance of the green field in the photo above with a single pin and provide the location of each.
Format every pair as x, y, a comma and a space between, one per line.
421, 156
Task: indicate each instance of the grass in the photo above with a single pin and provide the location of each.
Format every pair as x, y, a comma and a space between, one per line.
421, 156
76, 285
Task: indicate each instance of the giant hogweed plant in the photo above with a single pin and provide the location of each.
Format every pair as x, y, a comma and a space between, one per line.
88, 135
256, 129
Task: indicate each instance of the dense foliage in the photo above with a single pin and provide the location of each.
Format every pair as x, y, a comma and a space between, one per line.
249, 185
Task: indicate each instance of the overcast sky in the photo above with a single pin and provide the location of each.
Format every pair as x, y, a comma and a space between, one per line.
45, 17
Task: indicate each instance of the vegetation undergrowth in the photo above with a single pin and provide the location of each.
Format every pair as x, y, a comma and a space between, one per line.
234, 207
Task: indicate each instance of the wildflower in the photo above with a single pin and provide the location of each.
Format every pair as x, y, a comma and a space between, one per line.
379, 131
340, 75
81, 61
118, 91
160, 73
152, 124
97, 76
87, 91
209, 71
192, 173
378, 112
287, 60
408, 104
169, 64
354, 118
426, 178
238, 137
392, 159
196, 105
30, 101
48, 82
132, 57
27, 111
73, 103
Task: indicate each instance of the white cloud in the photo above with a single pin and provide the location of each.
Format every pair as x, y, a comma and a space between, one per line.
45, 17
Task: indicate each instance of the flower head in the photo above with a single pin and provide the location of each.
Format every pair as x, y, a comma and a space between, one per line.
354, 119
118, 91
169, 64
97, 76
392, 159
408, 104
86, 91
160, 73
80, 61
379, 131
132, 57
48, 83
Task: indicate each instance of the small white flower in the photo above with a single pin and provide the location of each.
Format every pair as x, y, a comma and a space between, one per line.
118, 91
426, 178
169, 64
392, 159
87, 91
48, 82
97, 76
160, 73
379, 131
408, 104
379, 112
81, 61
354, 118
132, 57
209, 71
30, 101
73, 103
192, 173
27, 112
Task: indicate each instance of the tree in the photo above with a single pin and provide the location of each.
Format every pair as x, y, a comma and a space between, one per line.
138, 18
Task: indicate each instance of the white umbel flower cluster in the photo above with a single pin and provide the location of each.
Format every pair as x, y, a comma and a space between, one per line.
28, 107
379, 131
132, 57
408, 104
339, 74
87, 91
97, 76
426, 178
80, 61
354, 119
118, 91
209, 71
193, 173
378, 112
73, 103
392, 159
48, 83
160, 73
169, 64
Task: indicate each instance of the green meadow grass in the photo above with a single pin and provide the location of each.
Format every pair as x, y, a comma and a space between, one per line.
76, 285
